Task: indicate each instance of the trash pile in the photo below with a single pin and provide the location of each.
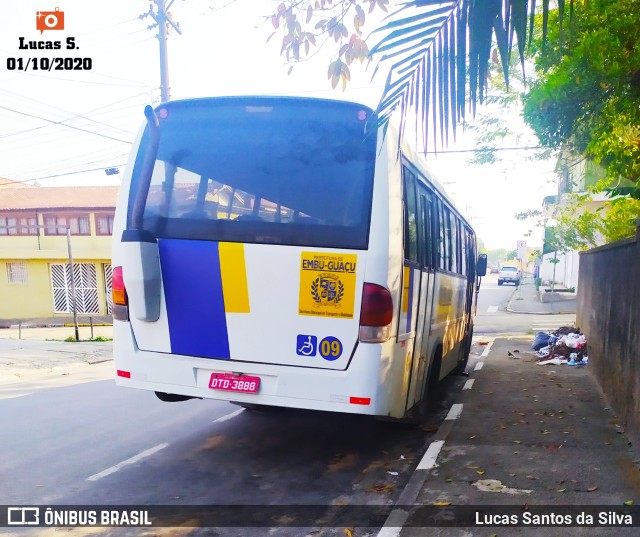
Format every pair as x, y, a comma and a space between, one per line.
567, 345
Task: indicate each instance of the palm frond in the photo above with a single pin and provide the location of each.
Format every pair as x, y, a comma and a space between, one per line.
438, 47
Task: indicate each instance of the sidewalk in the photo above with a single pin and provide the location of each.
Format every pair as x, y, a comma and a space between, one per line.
526, 299
528, 436
44, 351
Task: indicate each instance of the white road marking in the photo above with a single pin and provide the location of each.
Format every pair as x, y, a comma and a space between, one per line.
492, 309
469, 384
132, 460
229, 416
478, 366
486, 350
429, 459
455, 412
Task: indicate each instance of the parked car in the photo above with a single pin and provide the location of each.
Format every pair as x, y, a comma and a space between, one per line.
509, 274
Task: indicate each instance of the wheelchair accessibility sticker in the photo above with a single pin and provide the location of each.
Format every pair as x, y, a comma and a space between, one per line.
306, 345
330, 348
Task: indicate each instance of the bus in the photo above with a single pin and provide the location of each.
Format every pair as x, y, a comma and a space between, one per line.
287, 252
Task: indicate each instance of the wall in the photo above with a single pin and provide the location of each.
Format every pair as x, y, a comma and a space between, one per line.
34, 298
566, 269
609, 314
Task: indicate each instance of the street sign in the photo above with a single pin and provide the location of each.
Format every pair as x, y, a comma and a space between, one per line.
522, 244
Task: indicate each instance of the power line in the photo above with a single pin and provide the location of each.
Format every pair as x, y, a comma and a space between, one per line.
61, 175
65, 125
73, 116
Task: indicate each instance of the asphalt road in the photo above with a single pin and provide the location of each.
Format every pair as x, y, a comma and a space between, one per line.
492, 317
99, 444
96, 443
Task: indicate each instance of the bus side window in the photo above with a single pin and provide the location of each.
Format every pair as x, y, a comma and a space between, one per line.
410, 217
427, 225
444, 250
453, 230
464, 238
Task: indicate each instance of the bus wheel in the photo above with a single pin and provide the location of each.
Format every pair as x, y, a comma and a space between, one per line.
462, 364
173, 398
421, 410
255, 406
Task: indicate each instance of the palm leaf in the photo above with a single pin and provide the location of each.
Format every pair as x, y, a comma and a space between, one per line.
436, 48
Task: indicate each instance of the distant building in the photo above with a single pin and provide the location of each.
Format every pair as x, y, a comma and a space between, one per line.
35, 280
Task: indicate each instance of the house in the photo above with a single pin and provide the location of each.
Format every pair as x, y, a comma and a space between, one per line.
35, 280
576, 175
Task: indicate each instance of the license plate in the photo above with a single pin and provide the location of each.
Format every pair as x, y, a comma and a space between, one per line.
234, 383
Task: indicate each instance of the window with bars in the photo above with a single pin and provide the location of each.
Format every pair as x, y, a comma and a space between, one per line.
104, 224
17, 272
16, 224
57, 224
86, 288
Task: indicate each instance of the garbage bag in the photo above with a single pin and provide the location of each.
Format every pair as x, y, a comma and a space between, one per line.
541, 340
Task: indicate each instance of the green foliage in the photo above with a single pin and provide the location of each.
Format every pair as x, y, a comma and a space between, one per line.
589, 86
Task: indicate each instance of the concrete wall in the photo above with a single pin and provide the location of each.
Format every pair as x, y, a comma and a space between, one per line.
609, 314
566, 273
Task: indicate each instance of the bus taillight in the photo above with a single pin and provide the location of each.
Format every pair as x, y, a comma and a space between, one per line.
119, 294
376, 314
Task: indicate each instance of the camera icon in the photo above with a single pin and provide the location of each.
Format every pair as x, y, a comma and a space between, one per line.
50, 20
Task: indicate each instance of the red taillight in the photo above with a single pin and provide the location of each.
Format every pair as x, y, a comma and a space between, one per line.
377, 306
123, 374
118, 291
376, 314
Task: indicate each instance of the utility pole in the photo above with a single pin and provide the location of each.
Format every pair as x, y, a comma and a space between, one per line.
162, 20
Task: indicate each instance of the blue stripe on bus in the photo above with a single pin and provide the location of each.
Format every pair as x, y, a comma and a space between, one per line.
410, 308
193, 294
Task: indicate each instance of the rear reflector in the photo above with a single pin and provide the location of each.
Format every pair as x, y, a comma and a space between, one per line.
376, 314
360, 400
123, 374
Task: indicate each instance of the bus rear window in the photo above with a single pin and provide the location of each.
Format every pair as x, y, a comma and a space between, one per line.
278, 171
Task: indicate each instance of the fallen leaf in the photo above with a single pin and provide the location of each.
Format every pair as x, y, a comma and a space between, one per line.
472, 437
531, 477
629, 502
441, 504
480, 472
517, 441
562, 490
591, 489
393, 473
348, 532
383, 488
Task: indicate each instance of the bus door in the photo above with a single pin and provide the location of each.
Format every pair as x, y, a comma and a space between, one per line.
422, 353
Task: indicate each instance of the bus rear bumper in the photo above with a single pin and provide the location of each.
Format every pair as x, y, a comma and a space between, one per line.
355, 390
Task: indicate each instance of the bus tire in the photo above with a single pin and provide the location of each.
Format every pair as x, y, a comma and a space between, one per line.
173, 398
466, 350
420, 412
255, 406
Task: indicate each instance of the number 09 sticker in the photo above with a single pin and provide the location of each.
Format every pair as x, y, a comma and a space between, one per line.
330, 348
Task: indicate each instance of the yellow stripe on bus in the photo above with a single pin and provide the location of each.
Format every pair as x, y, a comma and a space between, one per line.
233, 272
405, 289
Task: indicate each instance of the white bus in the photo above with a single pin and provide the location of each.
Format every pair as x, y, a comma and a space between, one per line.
280, 251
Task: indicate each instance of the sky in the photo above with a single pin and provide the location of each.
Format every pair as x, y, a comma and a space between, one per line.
65, 127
